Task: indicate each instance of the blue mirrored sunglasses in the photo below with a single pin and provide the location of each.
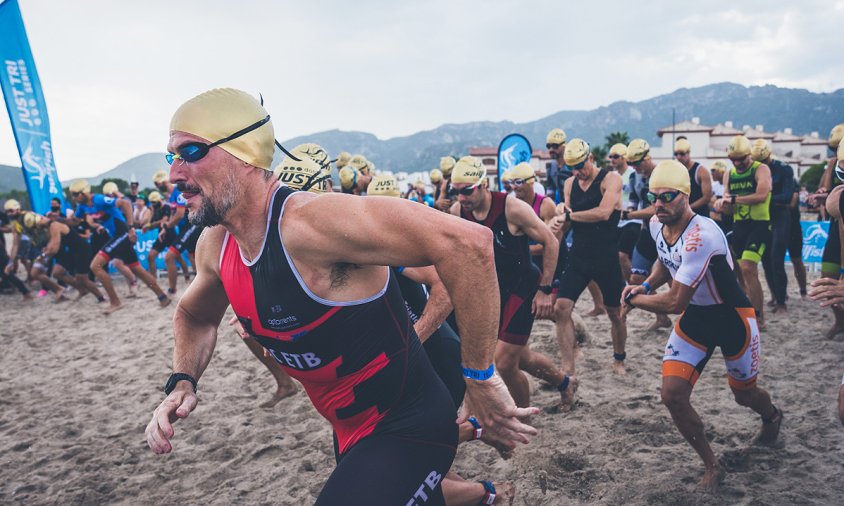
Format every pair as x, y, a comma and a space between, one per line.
195, 151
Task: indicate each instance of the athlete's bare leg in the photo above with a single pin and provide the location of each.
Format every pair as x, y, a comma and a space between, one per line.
750, 272
626, 265
838, 324
98, 267
151, 261
598, 307
507, 357
618, 331
542, 367
800, 275
150, 281
759, 401
86, 285
458, 491
566, 339
285, 387
676, 393
47, 283
130, 278
172, 275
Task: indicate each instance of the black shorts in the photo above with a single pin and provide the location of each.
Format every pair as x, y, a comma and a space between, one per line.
187, 240
516, 320
831, 259
443, 350
162, 244
120, 248
602, 268
75, 261
795, 239
750, 239
628, 236
644, 253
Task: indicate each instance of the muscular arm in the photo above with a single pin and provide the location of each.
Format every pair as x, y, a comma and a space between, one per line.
826, 179
763, 187
438, 306
610, 201
705, 181
126, 208
55, 240
175, 217
522, 215
547, 211
674, 301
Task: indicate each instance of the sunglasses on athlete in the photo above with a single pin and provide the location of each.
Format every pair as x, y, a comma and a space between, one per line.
615, 157
195, 151
665, 197
681, 153
520, 182
552, 146
579, 166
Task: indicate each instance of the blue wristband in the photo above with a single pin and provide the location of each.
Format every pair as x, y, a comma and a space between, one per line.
646, 286
475, 374
841, 270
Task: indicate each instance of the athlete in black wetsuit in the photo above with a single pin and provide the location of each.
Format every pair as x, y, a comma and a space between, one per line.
701, 179
311, 290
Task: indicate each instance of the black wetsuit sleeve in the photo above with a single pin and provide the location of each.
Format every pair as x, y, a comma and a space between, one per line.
550, 182
786, 189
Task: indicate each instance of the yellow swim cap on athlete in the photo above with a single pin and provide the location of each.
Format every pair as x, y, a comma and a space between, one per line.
638, 149
359, 163
155, 197
436, 175
506, 176
218, 113
719, 164
739, 146
80, 186
110, 188
619, 149
160, 176
447, 165
306, 171
522, 171
576, 152
383, 186
835, 135
343, 159
840, 153
556, 136
315, 152
671, 174
682, 146
468, 170
30, 219
348, 177
12, 205
760, 151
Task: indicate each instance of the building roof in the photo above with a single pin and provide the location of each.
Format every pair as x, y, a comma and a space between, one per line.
809, 139
684, 126
785, 137
753, 133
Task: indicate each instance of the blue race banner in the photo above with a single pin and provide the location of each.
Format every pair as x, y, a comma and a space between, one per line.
27, 109
513, 150
143, 247
815, 234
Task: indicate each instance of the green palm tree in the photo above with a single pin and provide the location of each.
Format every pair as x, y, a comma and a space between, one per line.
617, 137
600, 154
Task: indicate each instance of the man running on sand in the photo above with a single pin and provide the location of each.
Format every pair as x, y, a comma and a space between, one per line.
715, 313
315, 293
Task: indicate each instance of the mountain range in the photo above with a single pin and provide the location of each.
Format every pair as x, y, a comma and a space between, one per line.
772, 107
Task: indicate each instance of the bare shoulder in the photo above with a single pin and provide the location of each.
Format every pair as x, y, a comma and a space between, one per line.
209, 248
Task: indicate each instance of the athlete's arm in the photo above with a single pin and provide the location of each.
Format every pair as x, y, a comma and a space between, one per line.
763, 187
195, 323
314, 235
438, 306
783, 198
609, 202
705, 181
444, 203
175, 217
547, 211
826, 179
522, 215
55, 240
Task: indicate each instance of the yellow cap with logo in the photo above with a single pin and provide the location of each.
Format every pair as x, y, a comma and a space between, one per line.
523, 170
619, 149
436, 175
219, 113
671, 174
359, 163
447, 165
80, 186
556, 136
577, 151
638, 149
719, 164
313, 151
835, 135
12, 205
30, 219
155, 197
348, 177
759, 150
304, 174
682, 146
160, 176
468, 170
343, 159
110, 188
384, 185
738, 146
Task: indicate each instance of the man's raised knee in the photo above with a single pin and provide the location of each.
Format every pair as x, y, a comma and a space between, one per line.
744, 397
673, 399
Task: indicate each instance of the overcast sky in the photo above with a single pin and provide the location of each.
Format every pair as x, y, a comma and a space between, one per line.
113, 72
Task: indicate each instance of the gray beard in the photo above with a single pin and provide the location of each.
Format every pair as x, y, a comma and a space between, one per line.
210, 213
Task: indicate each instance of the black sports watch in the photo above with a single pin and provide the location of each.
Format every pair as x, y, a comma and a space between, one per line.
177, 377
546, 289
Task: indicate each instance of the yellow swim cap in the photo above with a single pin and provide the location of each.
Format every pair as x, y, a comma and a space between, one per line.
12, 205
576, 152
719, 164
760, 151
80, 186
160, 176
506, 176
343, 159
155, 197
835, 135
619, 149
739, 146
359, 163
840, 153
468, 170
315, 152
638, 149
671, 174
384, 186
436, 175
682, 146
522, 171
348, 177
305, 174
219, 113
556, 136
30, 219
447, 165
110, 188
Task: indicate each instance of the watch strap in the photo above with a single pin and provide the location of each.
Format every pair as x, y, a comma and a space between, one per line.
177, 377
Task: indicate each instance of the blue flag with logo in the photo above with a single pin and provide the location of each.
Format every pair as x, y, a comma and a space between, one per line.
27, 109
815, 235
513, 150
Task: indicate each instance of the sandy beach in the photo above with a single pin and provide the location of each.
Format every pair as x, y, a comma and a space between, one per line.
78, 388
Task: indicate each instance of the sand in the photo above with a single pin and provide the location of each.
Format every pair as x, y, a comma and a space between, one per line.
77, 390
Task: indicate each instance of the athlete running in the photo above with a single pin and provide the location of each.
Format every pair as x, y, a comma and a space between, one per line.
173, 225
11, 209
715, 313
592, 208
747, 193
310, 289
628, 230
525, 293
